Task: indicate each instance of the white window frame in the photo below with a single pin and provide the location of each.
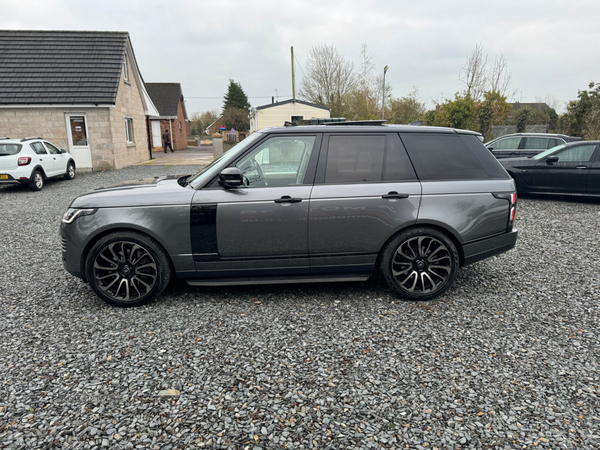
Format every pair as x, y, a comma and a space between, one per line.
129, 133
296, 115
125, 69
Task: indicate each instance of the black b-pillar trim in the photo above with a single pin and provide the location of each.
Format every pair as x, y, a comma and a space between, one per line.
203, 228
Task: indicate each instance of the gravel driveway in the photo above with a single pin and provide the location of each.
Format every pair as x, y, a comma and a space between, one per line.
508, 358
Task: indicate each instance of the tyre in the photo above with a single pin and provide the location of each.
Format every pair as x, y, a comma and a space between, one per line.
37, 181
70, 173
420, 263
127, 269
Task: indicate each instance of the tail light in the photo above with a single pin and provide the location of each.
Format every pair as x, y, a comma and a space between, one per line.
512, 199
23, 160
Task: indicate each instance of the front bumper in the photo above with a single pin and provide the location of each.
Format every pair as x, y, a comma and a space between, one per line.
485, 248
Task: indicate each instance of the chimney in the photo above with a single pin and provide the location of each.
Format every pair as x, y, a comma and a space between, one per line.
272, 100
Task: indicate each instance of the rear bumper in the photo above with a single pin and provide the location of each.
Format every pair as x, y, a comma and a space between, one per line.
486, 248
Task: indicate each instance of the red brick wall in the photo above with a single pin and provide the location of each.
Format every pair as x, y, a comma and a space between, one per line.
178, 135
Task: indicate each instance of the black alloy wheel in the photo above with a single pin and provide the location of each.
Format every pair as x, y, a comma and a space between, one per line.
127, 269
420, 263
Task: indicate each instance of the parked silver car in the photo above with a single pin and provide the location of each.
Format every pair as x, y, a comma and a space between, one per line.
524, 145
301, 204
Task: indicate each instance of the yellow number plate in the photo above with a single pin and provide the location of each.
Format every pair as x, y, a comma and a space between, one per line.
3, 177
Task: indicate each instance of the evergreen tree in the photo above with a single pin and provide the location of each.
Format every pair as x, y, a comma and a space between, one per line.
235, 97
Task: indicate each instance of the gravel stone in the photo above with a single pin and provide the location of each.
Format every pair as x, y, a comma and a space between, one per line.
506, 359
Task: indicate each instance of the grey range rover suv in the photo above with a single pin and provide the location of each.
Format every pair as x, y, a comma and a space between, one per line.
300, 204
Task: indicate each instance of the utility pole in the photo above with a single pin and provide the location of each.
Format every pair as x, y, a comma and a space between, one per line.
383, 99
293, 78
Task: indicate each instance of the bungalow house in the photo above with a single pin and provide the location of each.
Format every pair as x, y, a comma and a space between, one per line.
81, 90
276, 114
172, 116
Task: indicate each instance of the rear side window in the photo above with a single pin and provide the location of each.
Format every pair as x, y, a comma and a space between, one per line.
355, 159
536, 143
39, 148
487, 160
9, 149
367, 159
442, 157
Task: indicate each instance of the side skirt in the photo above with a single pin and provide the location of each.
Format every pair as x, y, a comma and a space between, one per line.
325, 278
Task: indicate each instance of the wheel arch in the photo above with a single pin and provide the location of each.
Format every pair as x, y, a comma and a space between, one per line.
451, 235
105, 232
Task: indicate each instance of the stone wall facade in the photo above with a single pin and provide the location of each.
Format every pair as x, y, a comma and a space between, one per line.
105, 125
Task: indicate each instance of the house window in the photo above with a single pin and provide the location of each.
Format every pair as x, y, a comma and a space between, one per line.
180, 126
125, 69
295, 118
129, 130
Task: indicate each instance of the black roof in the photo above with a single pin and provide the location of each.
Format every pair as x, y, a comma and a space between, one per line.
165, 97
60, 67
271, 105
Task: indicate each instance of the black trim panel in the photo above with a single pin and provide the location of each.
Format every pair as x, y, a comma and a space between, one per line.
203, 228
489, 247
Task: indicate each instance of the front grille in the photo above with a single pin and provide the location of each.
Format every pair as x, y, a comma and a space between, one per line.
63, 246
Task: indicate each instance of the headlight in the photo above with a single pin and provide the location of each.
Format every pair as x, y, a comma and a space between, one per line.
73, 213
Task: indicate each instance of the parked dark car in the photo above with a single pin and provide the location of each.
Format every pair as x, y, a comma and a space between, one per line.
301, 204
569, 169
522, 145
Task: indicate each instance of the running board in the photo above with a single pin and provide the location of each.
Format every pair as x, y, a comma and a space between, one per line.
328, 278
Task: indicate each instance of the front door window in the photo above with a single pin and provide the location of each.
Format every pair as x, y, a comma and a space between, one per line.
78, 130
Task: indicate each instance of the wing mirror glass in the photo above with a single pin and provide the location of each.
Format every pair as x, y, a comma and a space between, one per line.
231, 177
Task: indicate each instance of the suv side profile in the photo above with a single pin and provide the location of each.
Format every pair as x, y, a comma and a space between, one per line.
301, 204
524, 145
32, 160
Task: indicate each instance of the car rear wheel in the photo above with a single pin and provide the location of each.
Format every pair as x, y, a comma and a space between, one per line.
127, 269
420, 263
70, 173
37, 181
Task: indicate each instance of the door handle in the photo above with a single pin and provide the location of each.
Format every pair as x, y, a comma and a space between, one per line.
394, 194
288, 199
581, 167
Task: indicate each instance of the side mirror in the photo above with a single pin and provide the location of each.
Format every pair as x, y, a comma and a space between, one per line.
231, 177
490, 148
552, 159
62, 150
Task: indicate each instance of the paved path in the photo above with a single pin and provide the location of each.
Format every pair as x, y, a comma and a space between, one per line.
186, 157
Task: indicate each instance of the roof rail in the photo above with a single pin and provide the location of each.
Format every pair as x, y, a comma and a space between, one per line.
30, 138
4, 137
357, 122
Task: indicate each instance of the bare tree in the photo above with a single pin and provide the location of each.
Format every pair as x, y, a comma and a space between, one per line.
329, 76
473, 73
500, 78
549, 100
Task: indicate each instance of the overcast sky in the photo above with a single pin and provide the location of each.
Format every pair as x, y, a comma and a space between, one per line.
552, 47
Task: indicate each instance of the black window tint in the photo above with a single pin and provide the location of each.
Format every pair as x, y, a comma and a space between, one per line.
442, 157
354, 159
397, 166
487, 160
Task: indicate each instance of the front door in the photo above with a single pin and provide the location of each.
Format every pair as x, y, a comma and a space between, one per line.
156, 137
79, 144
569, 174
262, 227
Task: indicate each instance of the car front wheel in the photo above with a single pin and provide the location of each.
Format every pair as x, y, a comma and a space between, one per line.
37, 181
420, 263
127, 269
